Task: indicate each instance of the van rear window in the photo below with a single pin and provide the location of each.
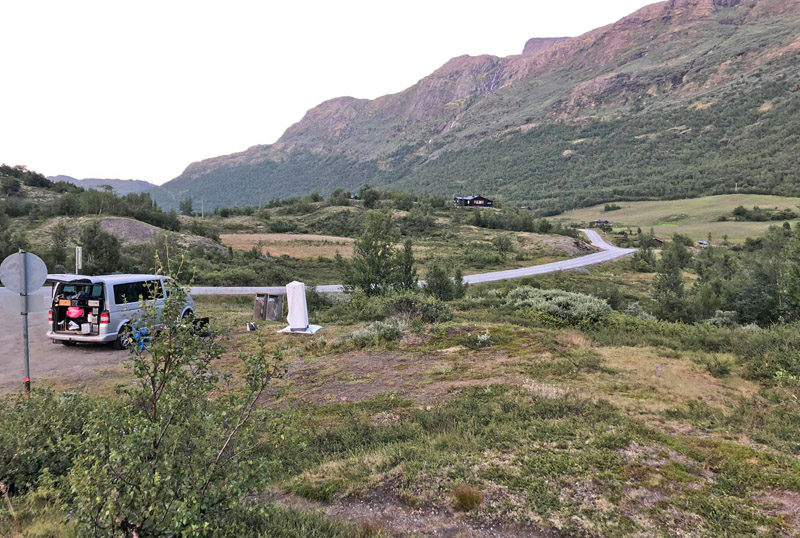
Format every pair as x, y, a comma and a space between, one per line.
80, 291
133, 292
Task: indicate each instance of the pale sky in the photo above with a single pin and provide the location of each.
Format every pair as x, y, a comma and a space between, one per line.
138, 90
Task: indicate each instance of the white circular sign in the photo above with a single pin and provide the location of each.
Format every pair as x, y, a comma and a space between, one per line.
11, 272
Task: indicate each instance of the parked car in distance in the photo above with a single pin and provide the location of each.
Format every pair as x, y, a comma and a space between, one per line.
99, 309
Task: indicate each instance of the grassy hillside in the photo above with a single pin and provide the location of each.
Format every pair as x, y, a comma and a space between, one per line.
695, 217
745, 136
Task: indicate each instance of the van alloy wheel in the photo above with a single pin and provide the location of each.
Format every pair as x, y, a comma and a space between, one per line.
123, 340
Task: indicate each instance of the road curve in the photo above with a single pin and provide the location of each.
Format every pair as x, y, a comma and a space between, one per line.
608, 252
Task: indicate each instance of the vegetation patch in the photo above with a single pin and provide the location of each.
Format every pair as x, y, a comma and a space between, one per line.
571, 307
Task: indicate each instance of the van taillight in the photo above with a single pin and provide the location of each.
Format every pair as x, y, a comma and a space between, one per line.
104, 318
50, 316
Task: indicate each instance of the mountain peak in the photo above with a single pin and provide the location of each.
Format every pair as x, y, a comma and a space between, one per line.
538, 44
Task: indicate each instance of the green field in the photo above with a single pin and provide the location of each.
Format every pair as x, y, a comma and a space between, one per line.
695, 217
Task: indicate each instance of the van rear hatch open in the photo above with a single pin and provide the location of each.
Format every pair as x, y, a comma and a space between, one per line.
77, 306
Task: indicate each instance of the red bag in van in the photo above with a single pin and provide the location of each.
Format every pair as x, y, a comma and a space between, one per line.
74, 312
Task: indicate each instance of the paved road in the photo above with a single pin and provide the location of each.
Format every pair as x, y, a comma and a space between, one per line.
608, 253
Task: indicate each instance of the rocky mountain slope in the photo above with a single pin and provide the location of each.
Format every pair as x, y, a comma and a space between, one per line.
681, 98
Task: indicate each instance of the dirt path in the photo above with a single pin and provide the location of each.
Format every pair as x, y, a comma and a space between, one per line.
381, 509
51, 364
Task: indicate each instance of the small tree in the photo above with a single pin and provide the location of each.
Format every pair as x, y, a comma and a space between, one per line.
186, 208
369, 196
406, 272
58, 248
442, 283
668, 292
643, 260
101, 250
10, 186
372, 267
165, 458
503, 244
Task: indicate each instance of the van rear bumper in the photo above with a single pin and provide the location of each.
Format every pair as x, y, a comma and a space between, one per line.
90, 338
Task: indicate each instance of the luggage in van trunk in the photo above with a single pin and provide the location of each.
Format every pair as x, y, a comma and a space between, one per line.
77, 306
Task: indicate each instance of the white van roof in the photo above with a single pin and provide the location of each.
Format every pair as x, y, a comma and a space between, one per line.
111, 279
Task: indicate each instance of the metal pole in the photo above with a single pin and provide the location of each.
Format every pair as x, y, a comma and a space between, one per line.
27, 380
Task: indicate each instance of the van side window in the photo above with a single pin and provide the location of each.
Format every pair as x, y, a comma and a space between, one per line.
152, 288
128, 292
133, 292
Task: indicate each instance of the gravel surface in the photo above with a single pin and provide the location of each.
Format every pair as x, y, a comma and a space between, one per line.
51, 364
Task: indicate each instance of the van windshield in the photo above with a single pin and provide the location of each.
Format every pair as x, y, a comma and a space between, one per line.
80, 291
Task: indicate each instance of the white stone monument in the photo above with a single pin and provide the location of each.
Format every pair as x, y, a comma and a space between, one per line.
298, 310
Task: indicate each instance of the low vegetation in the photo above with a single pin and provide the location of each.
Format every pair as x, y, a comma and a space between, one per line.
648, 396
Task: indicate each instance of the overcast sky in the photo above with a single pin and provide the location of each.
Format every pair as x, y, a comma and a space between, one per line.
114, 89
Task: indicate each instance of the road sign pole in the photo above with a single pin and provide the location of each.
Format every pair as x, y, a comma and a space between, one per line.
24, 273
27, 380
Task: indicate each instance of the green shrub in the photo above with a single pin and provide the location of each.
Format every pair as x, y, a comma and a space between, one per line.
636, 310
40, 432
573, 307
354, 308
477, 340
413, 305
764, 353
375, 334
407, 305
718, 368
443, 284
624, 330
723, 318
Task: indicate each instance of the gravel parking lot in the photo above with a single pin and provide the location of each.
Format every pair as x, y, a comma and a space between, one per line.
51, 364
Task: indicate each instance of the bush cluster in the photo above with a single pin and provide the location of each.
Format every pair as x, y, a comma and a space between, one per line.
413, 305
376, 334
404, 305
569, 306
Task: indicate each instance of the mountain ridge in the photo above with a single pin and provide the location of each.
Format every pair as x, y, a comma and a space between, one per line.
662, 54
121, 186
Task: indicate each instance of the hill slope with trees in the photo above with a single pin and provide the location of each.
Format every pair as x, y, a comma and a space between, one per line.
682, 98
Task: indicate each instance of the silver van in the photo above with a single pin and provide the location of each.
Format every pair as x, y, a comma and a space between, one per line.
100, 308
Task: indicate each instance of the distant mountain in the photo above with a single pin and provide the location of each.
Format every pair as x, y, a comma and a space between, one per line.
681, 98
120, 186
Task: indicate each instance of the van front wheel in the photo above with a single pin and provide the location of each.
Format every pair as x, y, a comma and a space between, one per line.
123, 340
